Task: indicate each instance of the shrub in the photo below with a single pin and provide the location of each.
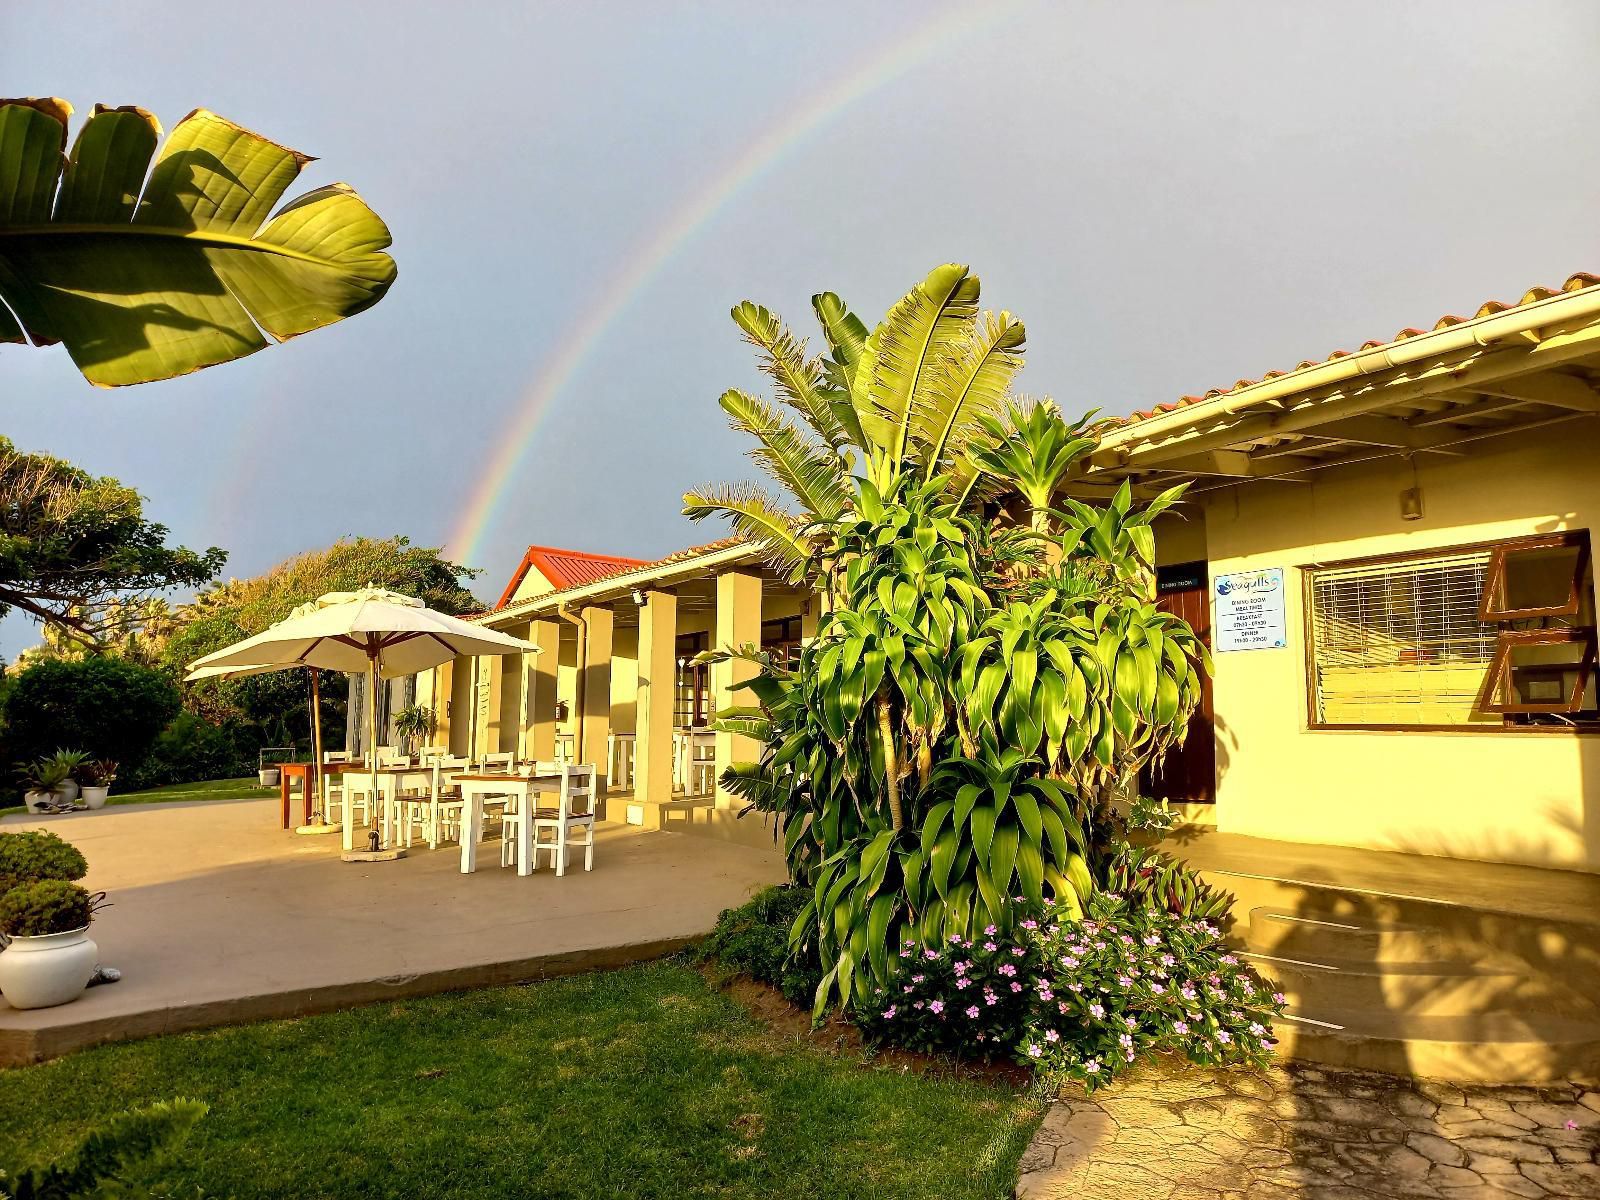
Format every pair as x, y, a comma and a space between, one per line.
1083, 1000
47, 906
1154, 878
193, 748
110, 706
38, 855
106, 1157
753, 940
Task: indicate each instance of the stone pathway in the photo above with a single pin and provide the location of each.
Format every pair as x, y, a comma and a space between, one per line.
1178, 1132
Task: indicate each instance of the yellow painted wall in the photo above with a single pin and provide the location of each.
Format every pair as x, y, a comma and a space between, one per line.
533, 584
1514, 797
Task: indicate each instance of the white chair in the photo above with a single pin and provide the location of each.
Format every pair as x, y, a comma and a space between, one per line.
501, 761
447, 810
566, 747
334, 792
573, 813
701, 748
511, 814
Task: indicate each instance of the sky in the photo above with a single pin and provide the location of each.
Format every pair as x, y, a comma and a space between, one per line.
1172, 196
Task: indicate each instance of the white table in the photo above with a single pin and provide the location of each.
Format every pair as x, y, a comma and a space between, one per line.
385, 784
476, 787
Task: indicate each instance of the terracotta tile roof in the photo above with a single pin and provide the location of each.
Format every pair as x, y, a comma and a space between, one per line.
1574, 283
628, 566
565, 568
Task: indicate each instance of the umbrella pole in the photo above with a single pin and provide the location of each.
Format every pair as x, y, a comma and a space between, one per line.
316, 738
372, 732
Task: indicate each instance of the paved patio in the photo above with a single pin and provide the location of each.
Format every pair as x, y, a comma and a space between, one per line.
1172, 1131
219, 917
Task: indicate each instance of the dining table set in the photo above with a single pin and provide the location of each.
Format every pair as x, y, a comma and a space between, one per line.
438, 798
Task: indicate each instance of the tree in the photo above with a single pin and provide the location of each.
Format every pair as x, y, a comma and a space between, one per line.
275, 704
76, 549
990, 672
109, 707
146, 274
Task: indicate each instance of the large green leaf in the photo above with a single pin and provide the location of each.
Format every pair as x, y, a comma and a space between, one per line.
146, 278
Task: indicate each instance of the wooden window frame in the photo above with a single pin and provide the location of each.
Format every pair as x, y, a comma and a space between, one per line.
1501, 663
1507, 727
1494, 582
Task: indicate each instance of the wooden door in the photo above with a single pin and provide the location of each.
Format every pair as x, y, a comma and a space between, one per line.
1188, 775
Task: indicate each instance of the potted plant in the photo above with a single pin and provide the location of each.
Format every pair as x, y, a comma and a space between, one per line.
49, 957
44, 917
412, 723
72, 760
96, 777
43, 785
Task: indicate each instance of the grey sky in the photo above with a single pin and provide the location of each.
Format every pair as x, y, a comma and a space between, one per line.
1172, 197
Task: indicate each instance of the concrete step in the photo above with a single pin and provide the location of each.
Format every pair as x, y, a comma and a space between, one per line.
664, 814
1421, 989
1315, 936
1476, 1048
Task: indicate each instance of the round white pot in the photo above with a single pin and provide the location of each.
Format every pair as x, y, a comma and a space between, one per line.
95, 797
36, 801
41, 972
269, 776
69, 790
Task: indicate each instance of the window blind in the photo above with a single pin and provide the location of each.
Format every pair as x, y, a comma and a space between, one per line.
1400, 643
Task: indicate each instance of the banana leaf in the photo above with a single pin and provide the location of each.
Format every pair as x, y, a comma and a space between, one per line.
146, 273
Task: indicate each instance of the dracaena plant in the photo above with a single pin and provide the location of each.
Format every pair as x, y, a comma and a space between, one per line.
981, 682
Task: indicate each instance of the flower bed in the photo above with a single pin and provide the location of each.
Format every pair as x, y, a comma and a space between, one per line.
1081, 1000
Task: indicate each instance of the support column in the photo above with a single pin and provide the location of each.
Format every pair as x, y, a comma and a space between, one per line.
658, 631
595, 689
540, 718
491, 687
738, 624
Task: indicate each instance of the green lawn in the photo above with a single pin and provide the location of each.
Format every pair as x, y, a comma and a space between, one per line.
643, 1082
243, 788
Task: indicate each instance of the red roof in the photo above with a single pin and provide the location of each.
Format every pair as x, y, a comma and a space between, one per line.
565, 568
1574, 283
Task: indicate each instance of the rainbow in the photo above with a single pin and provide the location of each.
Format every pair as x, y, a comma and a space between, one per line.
764, 151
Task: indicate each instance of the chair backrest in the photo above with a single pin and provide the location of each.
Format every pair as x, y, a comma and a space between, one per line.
337, 756
501, 761
566, 746
577, 789
394, 760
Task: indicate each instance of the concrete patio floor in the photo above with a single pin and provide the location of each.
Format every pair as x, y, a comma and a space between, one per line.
218, 917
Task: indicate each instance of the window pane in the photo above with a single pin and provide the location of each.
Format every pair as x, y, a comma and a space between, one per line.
1545, 671
1539, 580
1400, 643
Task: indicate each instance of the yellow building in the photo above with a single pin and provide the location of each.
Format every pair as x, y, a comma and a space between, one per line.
1388, 549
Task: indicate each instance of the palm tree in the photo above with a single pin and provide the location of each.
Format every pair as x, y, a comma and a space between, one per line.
146, 273
906, 398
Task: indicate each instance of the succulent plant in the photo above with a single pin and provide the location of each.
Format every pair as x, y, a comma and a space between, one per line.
45, 907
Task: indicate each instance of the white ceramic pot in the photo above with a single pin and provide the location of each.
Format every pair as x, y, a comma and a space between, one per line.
269, 776
41, 972
69, 790
36, 801
95, 797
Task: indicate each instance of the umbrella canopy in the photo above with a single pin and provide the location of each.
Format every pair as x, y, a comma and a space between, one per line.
352, 631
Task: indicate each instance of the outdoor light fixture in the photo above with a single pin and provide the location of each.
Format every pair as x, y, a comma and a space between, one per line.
1411, 498
638, 598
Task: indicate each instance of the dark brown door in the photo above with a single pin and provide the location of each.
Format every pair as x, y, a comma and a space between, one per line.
1188, 775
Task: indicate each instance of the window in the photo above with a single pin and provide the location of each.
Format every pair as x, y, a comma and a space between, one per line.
781, 638
1480, 637
692, 705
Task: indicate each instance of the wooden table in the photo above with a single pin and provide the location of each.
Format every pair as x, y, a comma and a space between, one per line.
306, 773
475, 787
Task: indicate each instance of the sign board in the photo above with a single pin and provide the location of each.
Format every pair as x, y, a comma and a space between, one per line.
1249, 611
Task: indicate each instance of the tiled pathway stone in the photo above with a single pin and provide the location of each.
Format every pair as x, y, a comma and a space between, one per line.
1176, 1132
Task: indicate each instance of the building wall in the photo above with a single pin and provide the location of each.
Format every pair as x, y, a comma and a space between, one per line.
1531, 797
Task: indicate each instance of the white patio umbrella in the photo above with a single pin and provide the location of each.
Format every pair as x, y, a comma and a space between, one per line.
383, 633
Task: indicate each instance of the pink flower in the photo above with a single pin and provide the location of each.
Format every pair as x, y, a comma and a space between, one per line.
1030, 923
1180, 1027
1046, 994
972, 1011
1050, 1035
962, 967
1126, 1040
930, 955
1279, 998
888, 1013
1015, 986
990, 930
990, 947
962, 982
936, 1007
1062, 1006
1007, 969
1092, 1066
1035, 1050
1572, 1124
1017, 951
918, 978
1097, 1011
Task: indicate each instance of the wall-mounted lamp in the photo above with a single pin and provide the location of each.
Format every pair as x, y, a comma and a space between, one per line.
638, 598
1411, 504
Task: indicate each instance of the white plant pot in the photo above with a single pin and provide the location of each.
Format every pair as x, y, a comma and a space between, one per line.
37, 801
95, 797
269, 776
69, 790
41, 972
